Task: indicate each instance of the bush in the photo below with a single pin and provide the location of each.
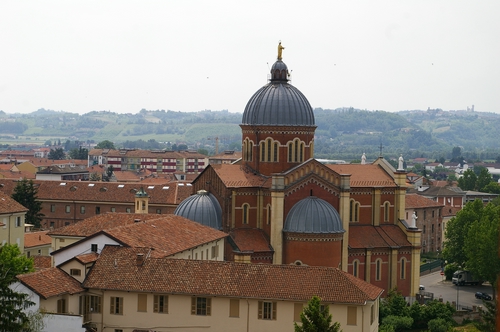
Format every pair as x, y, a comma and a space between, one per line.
399, 323
438, 325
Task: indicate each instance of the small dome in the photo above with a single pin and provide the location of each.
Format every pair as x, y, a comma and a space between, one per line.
202, 208
278, 102
313, 215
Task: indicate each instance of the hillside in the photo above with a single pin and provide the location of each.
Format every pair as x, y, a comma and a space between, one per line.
343, 133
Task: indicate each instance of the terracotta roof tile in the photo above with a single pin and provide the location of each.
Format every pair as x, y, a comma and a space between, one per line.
95, 224
50, 282
173, 193
17, 175
250, 239
167, 234
35, 239
9, 205
42, 262
367, 236
235, 176
365, 175
417, 201
117, 269
87, 258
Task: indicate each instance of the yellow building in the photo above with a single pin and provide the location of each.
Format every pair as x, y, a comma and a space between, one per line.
12, 216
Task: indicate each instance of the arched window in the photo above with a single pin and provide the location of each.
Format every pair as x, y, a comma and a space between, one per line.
290, 152
275, 152
353, 211
245, 214
378, 269
250, 151
268, 221
296, 152
262, 151
387, 208
355, 268
403, 268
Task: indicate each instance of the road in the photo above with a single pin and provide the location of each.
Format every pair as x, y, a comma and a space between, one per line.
435, 283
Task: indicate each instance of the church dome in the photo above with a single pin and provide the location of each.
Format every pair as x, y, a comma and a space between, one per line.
278, 102
202, 208
313, 215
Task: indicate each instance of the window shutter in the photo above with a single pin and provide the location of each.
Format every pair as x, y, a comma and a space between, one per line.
155, 303
112, 306
297, 310
193, 306
274, 310
260, 309
209, 306
120, 310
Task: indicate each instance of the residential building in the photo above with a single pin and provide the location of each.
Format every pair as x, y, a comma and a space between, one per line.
160, 162
226, 157
128, 290
67, 202
12, 217
64, 173
37, 244
428, 218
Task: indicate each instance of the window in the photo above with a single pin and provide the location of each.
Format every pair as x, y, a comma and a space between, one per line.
68, 208
97, 210
118, 330
127, 210
51, 224
267, 310
268, 221
90, 304
201, 306
75, 272
353, 211
18, 221
61, 306
372, 314
82, 209
93, 247
142, 302
297, 310
113, 209
116, 306
432, 213
160, 304
245, 214
355, 268
234, 308
352, 315
387, 207
215, 251
378, 269
403, 268
52, 208
424, 230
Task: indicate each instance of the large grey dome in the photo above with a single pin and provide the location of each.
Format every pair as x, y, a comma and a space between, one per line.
202, 208
313, 215
278, 102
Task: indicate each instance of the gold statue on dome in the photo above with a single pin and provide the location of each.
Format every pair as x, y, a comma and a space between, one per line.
280, 51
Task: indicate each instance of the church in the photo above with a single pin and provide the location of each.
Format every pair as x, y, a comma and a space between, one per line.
279, 205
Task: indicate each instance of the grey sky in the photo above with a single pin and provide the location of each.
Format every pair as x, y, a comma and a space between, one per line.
122, 56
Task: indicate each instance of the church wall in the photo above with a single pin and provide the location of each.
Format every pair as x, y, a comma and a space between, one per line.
313, 249
383, 280
404, 284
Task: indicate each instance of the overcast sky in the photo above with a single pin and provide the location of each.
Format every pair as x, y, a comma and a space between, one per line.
122, 56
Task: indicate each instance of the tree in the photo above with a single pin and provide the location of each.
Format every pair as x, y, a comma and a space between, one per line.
456, 154
80, 153
12, 315
315, 318
481, 245
492, 188
483, 179
95, 176
105, 145
25, 193
57, 154
468, 180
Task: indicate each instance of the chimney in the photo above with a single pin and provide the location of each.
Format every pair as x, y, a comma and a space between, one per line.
140, 259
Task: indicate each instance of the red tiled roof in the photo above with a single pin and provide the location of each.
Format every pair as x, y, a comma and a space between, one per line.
50, 282
95, 224
9, 205
117, 269
42, 262
235, 176
87, 258
173, 193
417, 201
364, 175
367, 236
36, 239
167, 234
250, 239
16, 175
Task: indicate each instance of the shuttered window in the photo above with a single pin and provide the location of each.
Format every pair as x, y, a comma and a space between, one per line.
352, 315
116, 305
142, 302
201, 306
267, 310
234, 308
160, 304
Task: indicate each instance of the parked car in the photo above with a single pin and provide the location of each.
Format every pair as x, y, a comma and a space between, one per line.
483, 296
